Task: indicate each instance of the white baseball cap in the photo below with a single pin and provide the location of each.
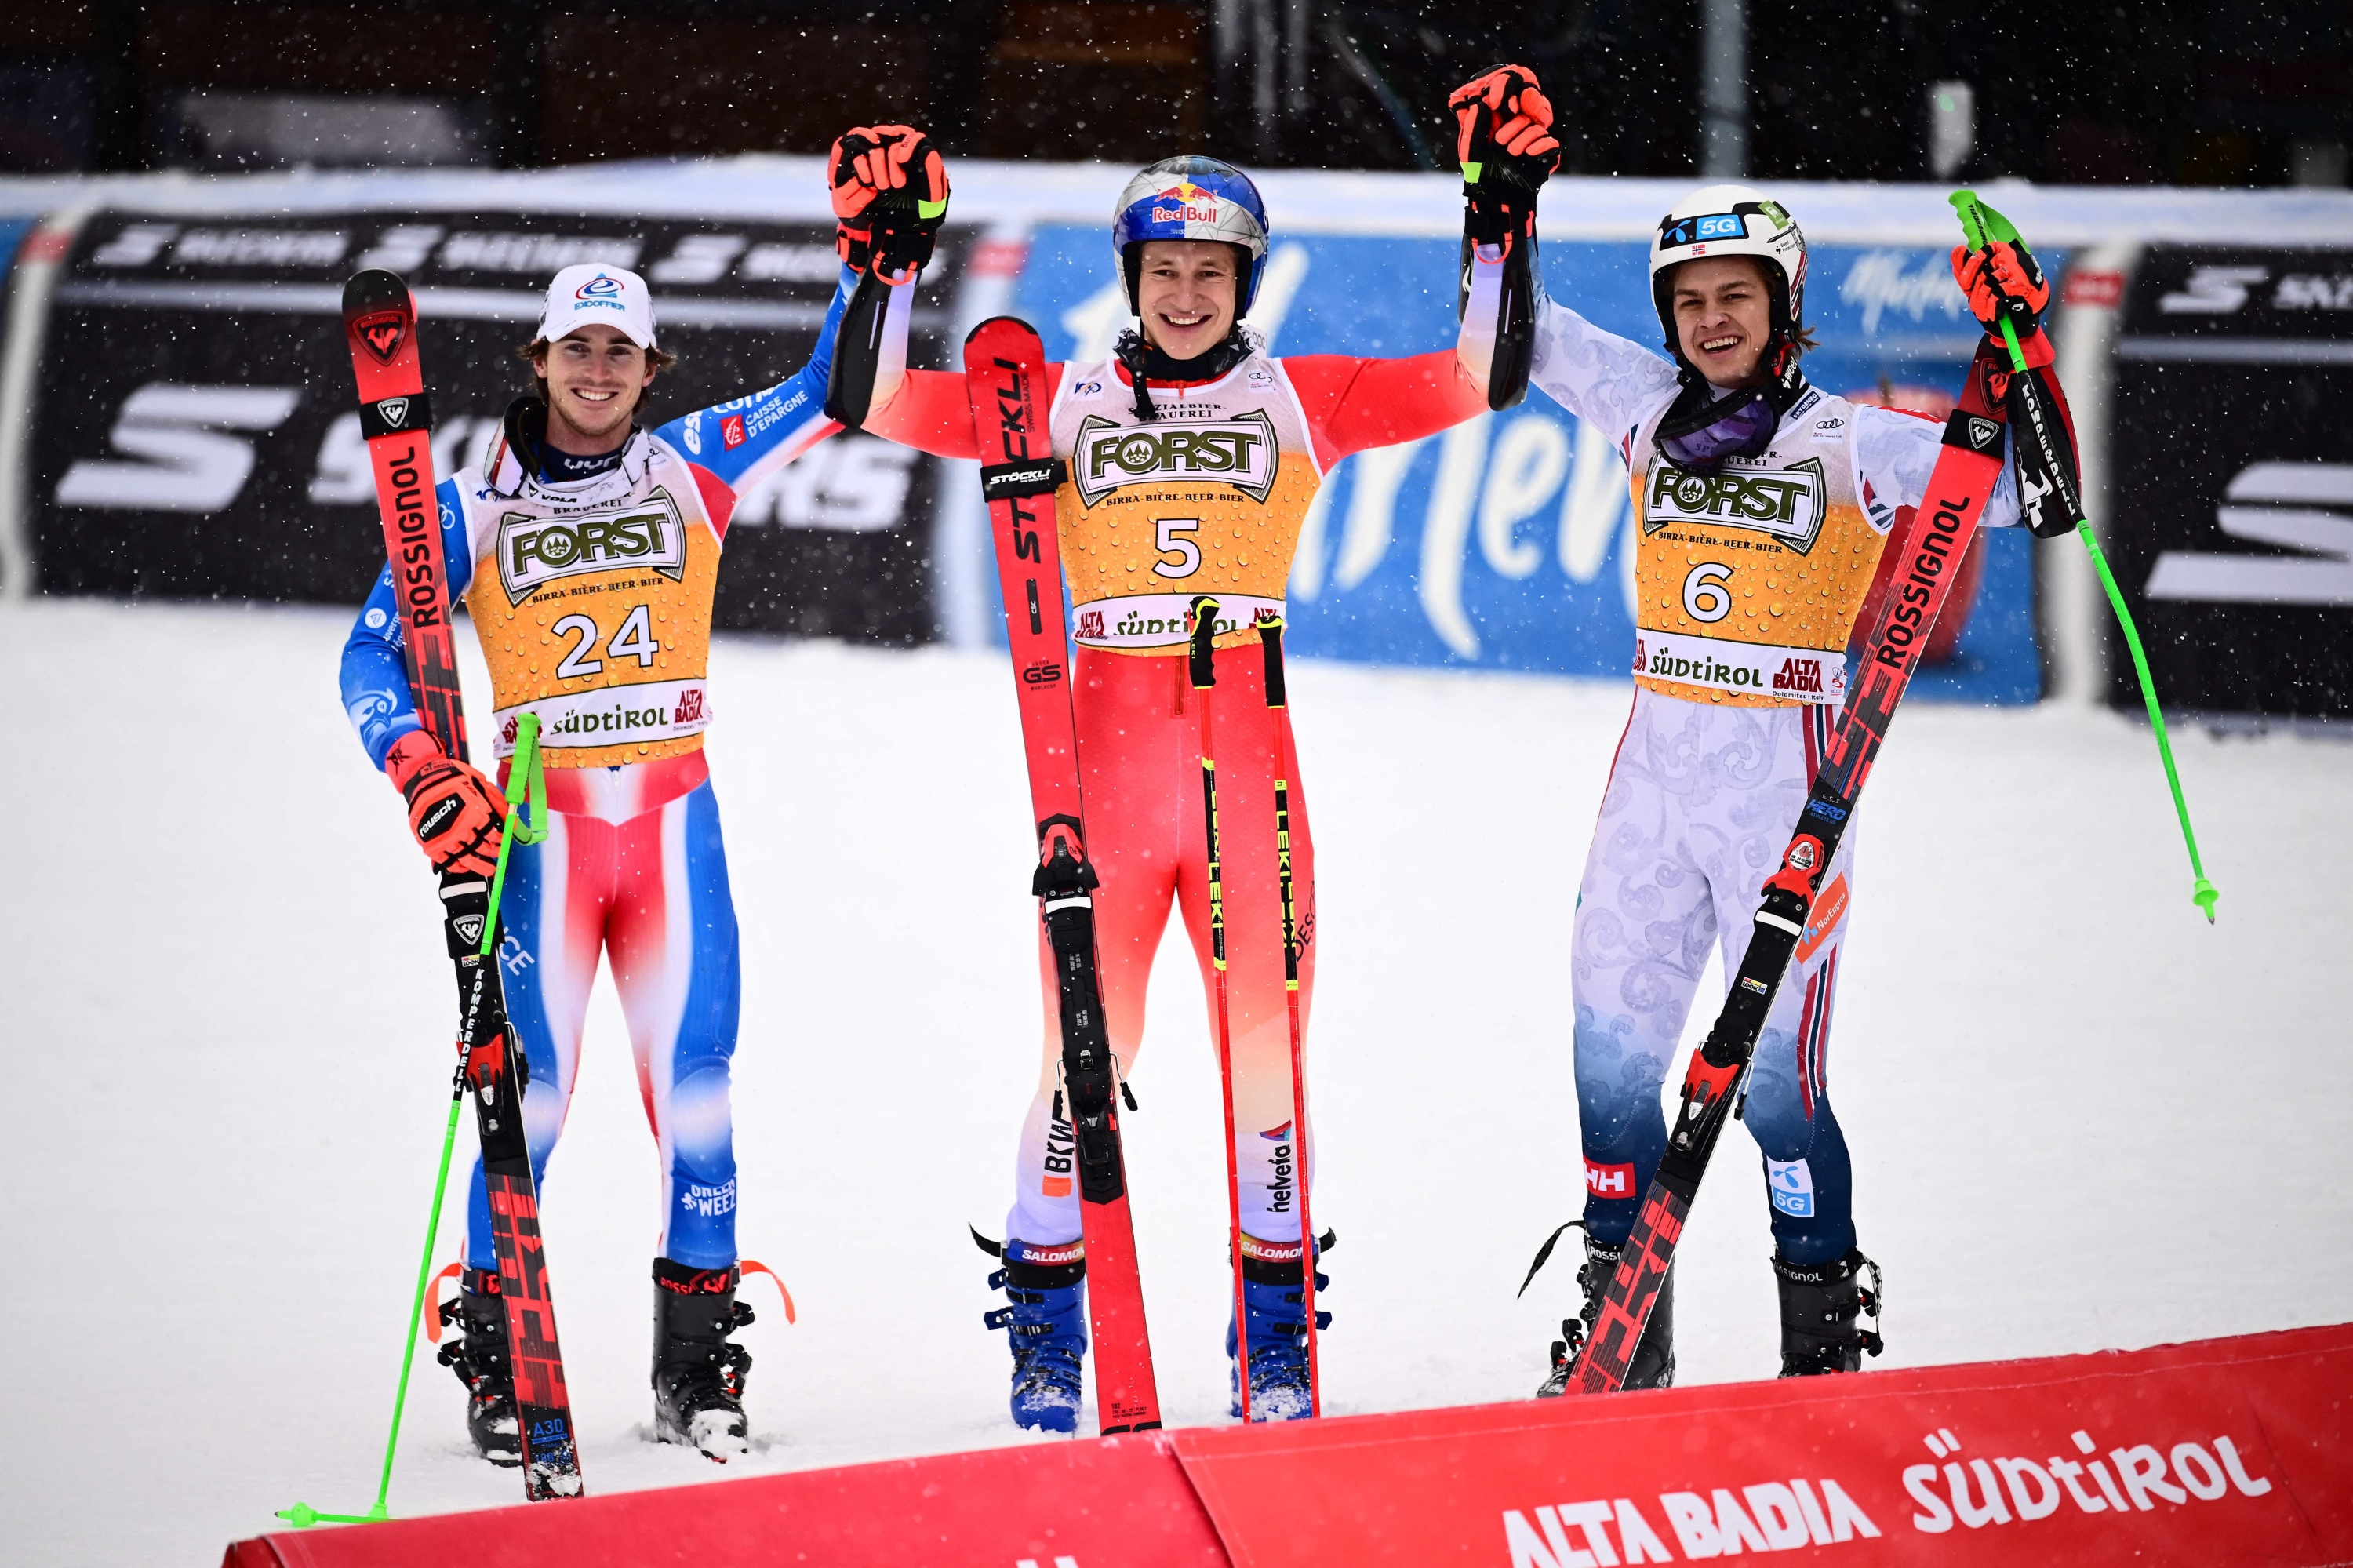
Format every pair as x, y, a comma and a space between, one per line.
592, 292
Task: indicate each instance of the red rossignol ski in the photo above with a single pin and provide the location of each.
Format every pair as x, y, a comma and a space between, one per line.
1005, 366
1951, 509
380, 320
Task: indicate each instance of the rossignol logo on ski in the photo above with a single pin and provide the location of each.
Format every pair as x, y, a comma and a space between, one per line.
469, 929
395, 412
381, 333
414, 556
533, 551
1239, 451
1920, 590
1787, 502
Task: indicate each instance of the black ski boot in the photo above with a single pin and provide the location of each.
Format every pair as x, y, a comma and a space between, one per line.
1821, 1304
478, 1356
698, 1375
1655, 1359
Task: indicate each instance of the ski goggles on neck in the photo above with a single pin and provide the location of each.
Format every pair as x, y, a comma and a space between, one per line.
1740, 425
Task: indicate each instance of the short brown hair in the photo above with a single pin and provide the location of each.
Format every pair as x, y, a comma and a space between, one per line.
660, 359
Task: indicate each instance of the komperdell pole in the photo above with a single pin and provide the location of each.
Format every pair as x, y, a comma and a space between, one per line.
1203, 659
526, 780
1984, 226
1270, 633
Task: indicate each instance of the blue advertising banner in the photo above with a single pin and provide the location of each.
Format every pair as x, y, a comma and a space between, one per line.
1506, 543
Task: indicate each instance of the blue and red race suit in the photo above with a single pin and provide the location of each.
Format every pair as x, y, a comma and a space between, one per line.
592, 599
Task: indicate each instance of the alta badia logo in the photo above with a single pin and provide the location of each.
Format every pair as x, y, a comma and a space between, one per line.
534, 551
1238, 451
1786, 503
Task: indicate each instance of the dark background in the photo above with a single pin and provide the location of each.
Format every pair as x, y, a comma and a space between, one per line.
2159, 91
2183, 428
871, 583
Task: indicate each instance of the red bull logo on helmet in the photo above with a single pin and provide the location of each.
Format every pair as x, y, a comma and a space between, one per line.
1185, 202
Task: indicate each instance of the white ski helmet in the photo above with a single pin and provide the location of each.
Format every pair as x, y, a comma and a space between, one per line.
1732, 220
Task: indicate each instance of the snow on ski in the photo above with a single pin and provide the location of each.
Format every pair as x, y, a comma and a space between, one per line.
1931, 550
1004, 362
380, 322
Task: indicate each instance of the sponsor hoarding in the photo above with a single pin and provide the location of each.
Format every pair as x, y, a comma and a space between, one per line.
2232, 465
195, 434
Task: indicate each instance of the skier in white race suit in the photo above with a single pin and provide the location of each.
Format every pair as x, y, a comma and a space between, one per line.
1762, 506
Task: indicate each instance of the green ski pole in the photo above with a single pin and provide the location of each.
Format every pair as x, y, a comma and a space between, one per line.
1981, 224
526, 779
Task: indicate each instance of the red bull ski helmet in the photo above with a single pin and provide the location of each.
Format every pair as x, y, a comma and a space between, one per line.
1190, 198
1732, 220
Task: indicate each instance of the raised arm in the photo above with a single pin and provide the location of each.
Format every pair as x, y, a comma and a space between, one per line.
1610, 382
1504, 142
1351, 404
734, 446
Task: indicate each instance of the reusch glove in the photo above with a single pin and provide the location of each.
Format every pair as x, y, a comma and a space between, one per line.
455, 812
2002, 280
890, 189
1504, 140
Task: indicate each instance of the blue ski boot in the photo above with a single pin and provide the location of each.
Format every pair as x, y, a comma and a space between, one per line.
1046, 1325
1280, 1385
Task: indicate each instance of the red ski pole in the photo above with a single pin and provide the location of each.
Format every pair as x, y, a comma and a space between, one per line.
1269, 634
1205, 679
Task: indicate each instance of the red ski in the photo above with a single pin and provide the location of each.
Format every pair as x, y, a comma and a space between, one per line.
1929, 556
380, 320
1005, 366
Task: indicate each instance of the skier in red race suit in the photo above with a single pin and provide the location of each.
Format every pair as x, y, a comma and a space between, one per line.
1193, 458
587, 551
1763, 505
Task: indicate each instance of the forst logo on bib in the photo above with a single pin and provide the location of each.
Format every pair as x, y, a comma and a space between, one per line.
535, 551
1789, 504
1239, 451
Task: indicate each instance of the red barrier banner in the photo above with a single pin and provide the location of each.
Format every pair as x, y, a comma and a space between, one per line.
1116, 1502
2230, 1451
2223, 1452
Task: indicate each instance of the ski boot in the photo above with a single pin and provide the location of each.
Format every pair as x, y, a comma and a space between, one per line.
1046, 1325
1280, 1389
1653, 1365
1821, 1304
478, 1357
698, 1376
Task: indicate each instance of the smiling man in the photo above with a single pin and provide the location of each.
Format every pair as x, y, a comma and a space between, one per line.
1763, 504
1194, 456
587, 550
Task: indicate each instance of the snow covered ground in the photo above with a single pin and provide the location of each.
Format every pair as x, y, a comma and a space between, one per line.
2081, 1118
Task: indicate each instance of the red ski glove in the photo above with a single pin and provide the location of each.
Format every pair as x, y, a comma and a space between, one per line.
890, 191
2002, 280
455, 812
1503, 131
